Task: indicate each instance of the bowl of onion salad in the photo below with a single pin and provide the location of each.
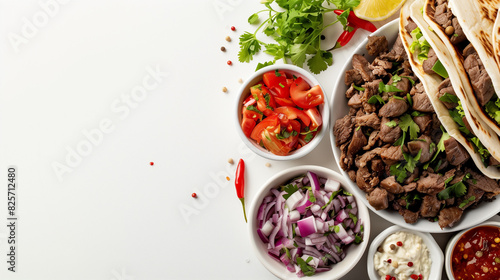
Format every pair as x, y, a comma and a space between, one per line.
305, 221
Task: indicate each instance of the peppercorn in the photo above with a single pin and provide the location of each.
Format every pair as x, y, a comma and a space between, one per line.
229, 62
194, 195
233, 28
223, 48
228, 38
410, 264
224, 89
399, 243
151, 163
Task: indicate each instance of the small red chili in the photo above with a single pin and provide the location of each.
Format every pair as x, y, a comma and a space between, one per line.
151, 163
345, 37
353, 19
399, 243
194, 195
233, 28
229, 62
239, 182
410, 264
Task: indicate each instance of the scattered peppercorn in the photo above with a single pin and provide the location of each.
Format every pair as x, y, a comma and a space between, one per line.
380, 249
228, 38
230, 161
151, 163
399, 243
268, 164
323, 37
388, 277
227, 178
224, 89
223, 48
389, 260
240, 81
414, 276
410, 264
233, 28
392, 246
229, 62
194, 195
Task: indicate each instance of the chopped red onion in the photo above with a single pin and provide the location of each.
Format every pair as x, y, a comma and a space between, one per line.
317, 231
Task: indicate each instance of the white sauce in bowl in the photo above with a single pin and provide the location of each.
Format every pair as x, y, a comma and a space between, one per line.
401, 255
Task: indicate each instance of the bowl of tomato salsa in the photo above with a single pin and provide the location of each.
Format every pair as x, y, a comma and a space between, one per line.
474, 253
282, 112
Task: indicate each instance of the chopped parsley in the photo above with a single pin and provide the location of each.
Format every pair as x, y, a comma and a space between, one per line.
358, 88
467, 201
306, 269
399, 170
253, 108
450, 98
387, 88
289, 189
439, 69
284, 134
391, 124
408, 125
440, 147
376, 99
456, 190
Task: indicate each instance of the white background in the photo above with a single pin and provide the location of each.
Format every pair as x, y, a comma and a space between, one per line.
71, 68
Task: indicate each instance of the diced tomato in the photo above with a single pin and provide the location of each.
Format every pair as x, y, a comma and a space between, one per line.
284, 101
247, 125
250, 114
282, 92
277, 119
304, 96
260, 93
284, 146
293, 113
274, 78
249, 101
284, 121
270, 122
315, 116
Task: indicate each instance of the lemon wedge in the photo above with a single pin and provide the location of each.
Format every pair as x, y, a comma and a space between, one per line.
376, 10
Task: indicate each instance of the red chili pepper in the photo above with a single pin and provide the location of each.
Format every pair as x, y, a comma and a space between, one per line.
239, 182
345, 37
352, 18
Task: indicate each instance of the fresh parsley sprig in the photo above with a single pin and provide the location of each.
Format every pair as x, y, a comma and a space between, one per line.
296, 29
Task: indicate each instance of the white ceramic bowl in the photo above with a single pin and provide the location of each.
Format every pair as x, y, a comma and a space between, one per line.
353, 253
453, 241
471, 217
244, 91
435, 252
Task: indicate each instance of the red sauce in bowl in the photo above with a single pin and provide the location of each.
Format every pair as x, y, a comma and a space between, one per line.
476, 254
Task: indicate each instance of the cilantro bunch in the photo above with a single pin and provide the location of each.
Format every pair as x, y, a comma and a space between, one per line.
296, 28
